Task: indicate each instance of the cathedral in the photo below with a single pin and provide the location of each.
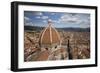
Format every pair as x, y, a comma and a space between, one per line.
50, 40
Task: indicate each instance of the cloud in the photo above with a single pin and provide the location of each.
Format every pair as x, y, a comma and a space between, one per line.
38, 17
27, 21
44, 21
37, 13
26, 18
29, 24
44, 17
75, 19
67, 18
56, 21
53, 13
53, 21
32, 13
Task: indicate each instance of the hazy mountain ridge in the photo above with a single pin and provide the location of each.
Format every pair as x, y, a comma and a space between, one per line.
36, 28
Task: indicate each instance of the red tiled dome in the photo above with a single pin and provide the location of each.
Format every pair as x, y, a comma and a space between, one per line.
49, 35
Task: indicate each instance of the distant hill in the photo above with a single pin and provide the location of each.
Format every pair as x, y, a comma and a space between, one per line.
75, 29
33, 28
36, 28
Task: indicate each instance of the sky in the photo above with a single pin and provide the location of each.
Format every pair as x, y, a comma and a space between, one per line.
58, 19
